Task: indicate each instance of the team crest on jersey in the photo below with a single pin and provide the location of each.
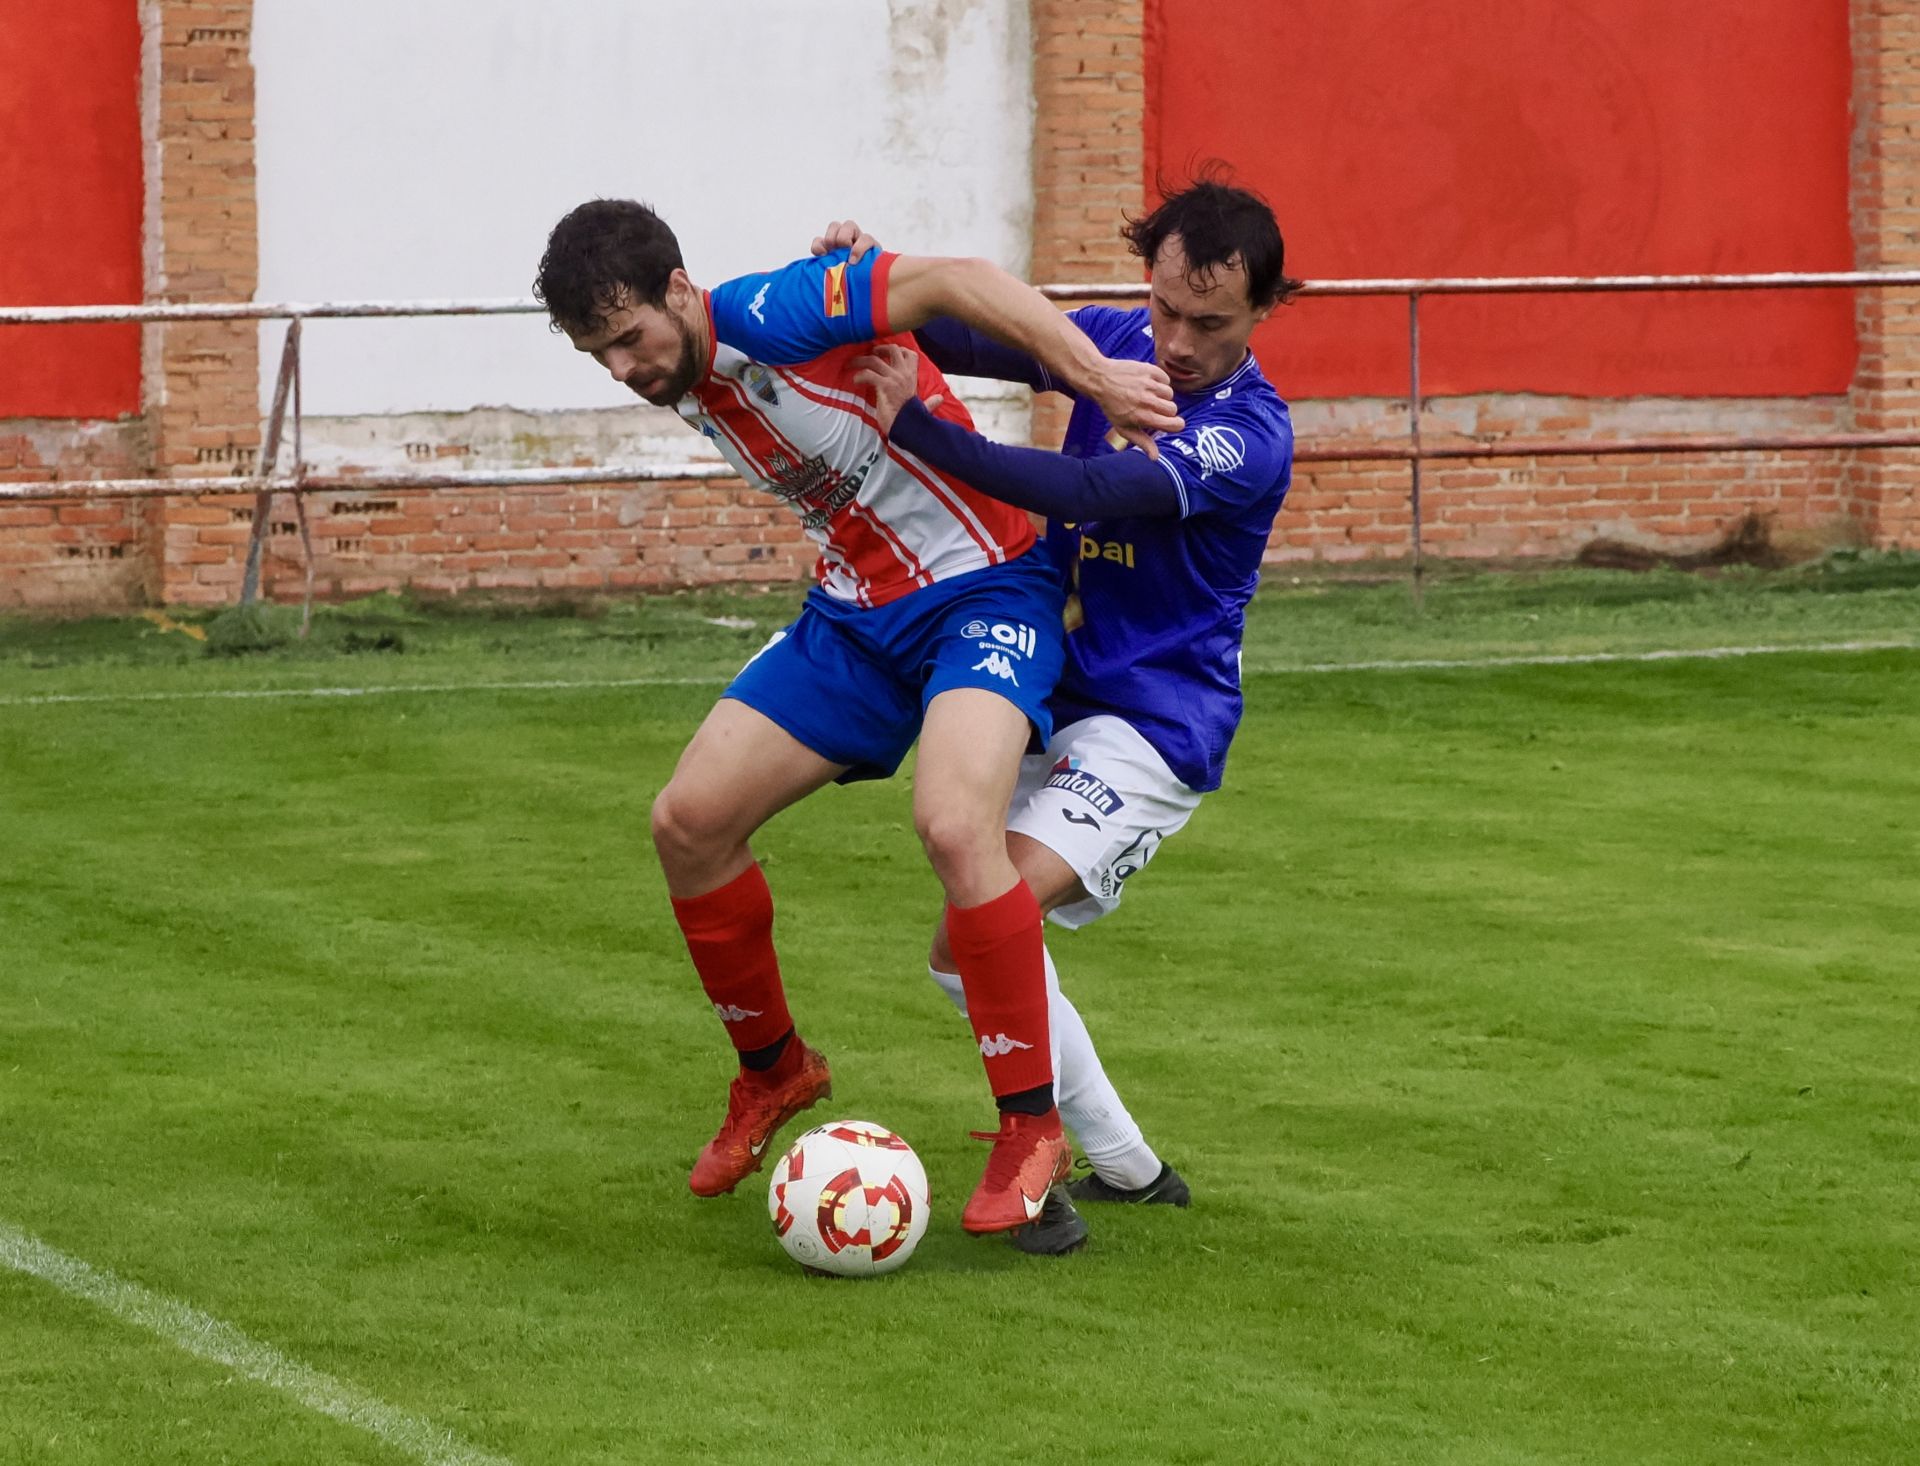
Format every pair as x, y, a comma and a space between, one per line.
836, 293
760, 382
1220, 450
1067, 775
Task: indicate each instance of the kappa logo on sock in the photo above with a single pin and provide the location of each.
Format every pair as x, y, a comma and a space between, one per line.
997, 1045
730, 1014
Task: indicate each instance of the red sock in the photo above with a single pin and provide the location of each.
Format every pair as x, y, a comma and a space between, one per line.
729, 934
1001, 954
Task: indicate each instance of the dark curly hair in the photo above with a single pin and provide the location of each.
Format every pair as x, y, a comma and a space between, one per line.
605, 254
1217, 224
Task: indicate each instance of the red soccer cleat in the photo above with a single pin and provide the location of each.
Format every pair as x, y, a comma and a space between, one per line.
756, 1108
1030, 1153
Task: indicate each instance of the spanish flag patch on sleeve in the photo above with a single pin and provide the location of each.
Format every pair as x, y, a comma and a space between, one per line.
836, 294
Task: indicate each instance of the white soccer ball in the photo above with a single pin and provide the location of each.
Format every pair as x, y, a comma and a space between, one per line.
849, 1198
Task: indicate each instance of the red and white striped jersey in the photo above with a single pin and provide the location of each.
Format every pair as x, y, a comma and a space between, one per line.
779, 401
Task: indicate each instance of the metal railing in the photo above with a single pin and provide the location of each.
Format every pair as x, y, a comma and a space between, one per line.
265, 481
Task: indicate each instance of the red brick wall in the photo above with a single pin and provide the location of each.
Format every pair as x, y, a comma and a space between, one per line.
1089, 130
1884, 487
203, 382
72, 556
1095, 142
1528, 508
561, 539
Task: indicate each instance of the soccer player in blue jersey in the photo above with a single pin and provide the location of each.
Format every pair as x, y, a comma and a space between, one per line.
935, 617
1163, 552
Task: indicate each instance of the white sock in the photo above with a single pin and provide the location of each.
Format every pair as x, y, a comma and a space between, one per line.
1090, 1106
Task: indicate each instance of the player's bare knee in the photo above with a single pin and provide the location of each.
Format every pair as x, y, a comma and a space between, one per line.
967, 853
687, 831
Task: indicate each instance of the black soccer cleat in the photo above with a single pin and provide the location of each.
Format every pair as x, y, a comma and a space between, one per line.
1058, 1230
1165, 1189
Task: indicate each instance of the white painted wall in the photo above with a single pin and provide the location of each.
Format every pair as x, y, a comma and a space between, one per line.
423, 148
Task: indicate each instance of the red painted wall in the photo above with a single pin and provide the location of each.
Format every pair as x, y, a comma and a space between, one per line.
1516, 137
70, 199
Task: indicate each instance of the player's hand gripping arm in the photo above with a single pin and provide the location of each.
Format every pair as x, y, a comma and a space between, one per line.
1134, 395
1114, 485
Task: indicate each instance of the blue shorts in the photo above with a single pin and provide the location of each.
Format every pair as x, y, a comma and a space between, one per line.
853, 684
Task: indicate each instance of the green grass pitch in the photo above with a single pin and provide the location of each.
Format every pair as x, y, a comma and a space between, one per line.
1539, 1041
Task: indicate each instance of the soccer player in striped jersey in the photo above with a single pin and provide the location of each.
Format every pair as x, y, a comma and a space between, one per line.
1163, 553
935, 617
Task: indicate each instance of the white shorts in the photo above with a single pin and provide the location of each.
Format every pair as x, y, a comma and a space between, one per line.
1101, 799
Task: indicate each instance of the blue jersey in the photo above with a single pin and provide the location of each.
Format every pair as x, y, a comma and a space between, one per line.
1163, 600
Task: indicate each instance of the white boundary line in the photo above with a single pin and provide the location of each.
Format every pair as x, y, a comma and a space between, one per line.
207, 1337
245, 693
1570, 659
1576, 659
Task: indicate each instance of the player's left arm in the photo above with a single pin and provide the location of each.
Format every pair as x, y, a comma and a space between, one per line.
1115, 485
1228, 461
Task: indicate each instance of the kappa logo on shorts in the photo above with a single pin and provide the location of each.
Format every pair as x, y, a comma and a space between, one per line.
998, 666
1067, 775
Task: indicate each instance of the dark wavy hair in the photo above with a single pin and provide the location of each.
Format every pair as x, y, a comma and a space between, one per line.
1218, 223
606, 254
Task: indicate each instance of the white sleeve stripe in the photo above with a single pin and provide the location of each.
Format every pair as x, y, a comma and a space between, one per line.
1179, 484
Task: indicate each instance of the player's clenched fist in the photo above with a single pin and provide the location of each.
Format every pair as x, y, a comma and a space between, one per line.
845, 234
1137, 399
892, 375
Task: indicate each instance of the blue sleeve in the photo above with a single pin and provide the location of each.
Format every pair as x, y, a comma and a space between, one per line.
1106, 327
1227, 461
804, 309
1115, 485
959, 350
